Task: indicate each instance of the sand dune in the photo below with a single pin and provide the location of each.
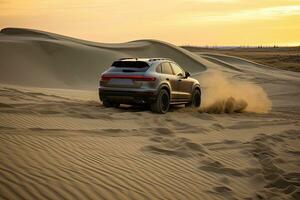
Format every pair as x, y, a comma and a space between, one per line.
58, 61
59, 143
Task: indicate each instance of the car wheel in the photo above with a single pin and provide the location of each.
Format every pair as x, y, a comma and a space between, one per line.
107, 103
196, 99
162, 103
116, 105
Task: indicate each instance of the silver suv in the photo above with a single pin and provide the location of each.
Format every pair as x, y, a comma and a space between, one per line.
157, 82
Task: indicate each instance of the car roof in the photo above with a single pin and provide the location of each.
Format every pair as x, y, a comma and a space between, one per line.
148, 60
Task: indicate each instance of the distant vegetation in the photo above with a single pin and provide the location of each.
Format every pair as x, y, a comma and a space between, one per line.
286, 58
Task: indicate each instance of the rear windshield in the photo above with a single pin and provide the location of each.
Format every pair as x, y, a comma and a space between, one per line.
129, 66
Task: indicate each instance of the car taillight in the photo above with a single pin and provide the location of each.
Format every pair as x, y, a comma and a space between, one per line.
133, 77
104, 78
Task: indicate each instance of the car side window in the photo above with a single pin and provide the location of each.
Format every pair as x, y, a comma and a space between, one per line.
177, 70
158, 69
166, 68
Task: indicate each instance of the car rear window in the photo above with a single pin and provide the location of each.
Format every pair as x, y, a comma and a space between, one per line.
129, 66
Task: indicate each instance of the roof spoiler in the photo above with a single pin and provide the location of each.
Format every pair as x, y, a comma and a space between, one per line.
127, 58
150, 59
155, 59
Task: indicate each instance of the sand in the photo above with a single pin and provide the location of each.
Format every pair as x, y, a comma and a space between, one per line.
58, 142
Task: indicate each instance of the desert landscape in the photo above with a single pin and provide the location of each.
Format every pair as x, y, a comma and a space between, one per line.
286, 58
59, 142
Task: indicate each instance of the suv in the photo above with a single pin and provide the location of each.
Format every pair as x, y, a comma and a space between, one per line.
157, 82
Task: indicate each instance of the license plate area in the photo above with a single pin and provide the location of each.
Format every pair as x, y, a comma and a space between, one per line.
121, 81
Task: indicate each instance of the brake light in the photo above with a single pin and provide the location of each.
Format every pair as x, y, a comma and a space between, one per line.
133, 77
104, 78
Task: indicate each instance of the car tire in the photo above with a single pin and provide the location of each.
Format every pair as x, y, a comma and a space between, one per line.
196, 99
107, 103
162, 103
116, 105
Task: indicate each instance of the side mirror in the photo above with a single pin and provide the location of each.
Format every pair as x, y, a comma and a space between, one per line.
187, 74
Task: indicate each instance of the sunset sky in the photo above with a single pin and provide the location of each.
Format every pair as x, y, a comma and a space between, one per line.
194, 22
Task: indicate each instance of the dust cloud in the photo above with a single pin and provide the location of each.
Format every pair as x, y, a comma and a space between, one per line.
222, 94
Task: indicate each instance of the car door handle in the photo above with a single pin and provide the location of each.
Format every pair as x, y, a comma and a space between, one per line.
167, 79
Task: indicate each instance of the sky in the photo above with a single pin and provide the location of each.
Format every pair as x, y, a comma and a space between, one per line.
181, 22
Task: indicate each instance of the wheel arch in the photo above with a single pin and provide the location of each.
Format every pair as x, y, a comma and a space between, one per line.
166, 87
197, 87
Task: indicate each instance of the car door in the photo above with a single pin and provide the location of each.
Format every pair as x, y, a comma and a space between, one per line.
184, 84
173, 80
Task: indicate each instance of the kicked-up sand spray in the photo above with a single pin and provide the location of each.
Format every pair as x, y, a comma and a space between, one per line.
221, 94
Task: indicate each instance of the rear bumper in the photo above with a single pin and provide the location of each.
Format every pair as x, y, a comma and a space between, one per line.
128, 97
